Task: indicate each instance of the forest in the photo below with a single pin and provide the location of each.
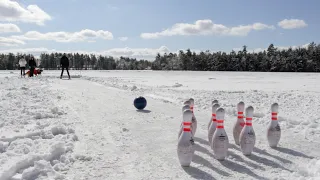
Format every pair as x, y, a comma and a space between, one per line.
271, 60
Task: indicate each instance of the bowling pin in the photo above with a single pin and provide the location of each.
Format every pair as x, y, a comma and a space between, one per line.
213, 125
247, 136
220, 141
185, 107
187, 102
192, 103
186, 121
185, 148
194, 120
213, 114
214, 102
274, 130
239, 123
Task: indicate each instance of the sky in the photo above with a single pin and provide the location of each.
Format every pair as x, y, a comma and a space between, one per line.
143, 28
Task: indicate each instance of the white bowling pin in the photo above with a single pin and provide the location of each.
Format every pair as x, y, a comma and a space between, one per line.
194, 120
187, 103
185, 107
239, 124
186, 121
274, 130
191, 101
213, 125
214, 102
213, 113
185, 147
247, 135
220, 141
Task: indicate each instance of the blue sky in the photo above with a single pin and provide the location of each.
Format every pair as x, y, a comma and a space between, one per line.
146, 26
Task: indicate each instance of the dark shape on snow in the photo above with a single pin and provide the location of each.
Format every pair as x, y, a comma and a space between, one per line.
64, 63
239, 158
205, 162
239, 168
143, 111
202, 141
260, 151
203, 150
140, 103
267, 162
292, 152
197, 173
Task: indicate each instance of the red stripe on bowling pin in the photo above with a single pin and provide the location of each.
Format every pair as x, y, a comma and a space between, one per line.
186, 123
249, 121
274, 116
214, 117
240, 115
186, 129
220, 124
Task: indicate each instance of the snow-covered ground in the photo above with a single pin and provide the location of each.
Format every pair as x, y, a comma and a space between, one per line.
87, 127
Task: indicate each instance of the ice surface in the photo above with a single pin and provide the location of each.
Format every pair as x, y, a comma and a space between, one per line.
87, 128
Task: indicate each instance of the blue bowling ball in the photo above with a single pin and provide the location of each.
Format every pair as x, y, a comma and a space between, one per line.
140, 103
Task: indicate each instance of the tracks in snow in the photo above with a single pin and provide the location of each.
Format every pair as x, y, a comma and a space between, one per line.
126, 144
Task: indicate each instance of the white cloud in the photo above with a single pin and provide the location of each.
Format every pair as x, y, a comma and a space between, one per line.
4, 41
34, 51
13, 11
83, 35
292, 24
123, 38
139, 53
206, 27
136, 52
293, 47
8, 28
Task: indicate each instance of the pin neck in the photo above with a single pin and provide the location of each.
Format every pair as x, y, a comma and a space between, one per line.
220, 124
274, 116
186, 123
240, 115
249, 121
214, 117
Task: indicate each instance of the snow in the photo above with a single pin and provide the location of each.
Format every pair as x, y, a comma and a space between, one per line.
87, 127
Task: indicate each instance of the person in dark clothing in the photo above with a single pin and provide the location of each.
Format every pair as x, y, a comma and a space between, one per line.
64, 63
32, 65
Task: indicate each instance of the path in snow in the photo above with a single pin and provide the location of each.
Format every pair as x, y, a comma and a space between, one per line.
125, 144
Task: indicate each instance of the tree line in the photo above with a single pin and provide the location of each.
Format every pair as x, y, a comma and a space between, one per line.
305, 59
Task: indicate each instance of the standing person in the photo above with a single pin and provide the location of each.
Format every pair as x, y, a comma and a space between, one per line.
64, 63
22, 64
32, 65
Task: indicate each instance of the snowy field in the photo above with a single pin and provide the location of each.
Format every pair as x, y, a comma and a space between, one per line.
88, 128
